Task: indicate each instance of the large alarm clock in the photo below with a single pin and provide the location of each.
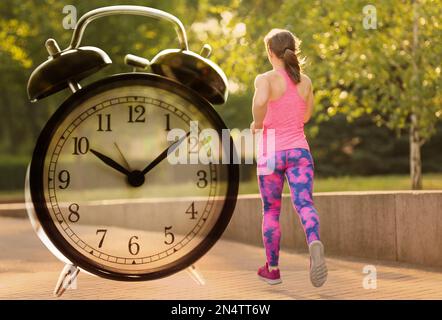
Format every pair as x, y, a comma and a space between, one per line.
102, 191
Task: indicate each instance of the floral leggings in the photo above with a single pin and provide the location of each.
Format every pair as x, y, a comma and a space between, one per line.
297, 166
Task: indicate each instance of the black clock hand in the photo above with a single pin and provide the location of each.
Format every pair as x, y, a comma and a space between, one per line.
163, 154
110, 162
122, 156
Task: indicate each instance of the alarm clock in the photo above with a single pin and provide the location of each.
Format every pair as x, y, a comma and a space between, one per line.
101, 191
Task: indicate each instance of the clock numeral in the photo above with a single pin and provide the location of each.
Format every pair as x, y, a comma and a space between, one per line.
74, 216
103, 231
202, 181
167, 121
169, 234
134, 247
193, 145
64, 177
191, 210
206, 143
81, 145
136, 114
104, 123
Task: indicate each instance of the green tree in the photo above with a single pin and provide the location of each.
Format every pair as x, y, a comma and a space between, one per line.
24, 27
391, 73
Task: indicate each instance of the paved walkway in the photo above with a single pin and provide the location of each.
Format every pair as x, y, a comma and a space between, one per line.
29, 271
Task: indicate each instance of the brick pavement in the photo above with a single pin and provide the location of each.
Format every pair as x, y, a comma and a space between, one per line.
29, 271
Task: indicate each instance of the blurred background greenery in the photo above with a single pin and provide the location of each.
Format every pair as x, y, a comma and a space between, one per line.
377, 91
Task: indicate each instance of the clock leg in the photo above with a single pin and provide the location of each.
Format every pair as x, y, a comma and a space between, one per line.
196, 275
67, 279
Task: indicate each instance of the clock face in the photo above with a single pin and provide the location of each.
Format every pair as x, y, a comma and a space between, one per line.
108, 191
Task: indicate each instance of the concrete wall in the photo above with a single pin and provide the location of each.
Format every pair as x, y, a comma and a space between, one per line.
398, 226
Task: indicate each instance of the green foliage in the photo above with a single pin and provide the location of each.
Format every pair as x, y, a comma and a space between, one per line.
13, 172
358, 148
357, 73
355, 183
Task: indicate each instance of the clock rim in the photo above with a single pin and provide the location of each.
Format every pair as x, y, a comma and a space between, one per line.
37, 168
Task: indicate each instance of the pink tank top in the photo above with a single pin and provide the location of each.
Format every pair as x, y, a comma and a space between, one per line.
286, 116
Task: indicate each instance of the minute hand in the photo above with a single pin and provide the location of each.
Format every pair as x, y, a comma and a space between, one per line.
110, 162
163, 154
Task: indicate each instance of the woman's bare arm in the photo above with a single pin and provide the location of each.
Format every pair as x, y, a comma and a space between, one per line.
309, 101
260, 99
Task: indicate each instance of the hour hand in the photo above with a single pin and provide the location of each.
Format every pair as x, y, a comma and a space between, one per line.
111, 163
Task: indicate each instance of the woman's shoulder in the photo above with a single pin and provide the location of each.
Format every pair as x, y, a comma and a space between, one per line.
264, 79
305, 79
266, 75
261, 80
272, 74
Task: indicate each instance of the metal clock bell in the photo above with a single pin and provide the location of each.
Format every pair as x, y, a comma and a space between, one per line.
100, 192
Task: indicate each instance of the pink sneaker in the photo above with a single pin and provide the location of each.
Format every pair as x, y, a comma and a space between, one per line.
271, 277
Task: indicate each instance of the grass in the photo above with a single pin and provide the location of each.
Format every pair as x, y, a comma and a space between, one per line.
354, 183
357, 183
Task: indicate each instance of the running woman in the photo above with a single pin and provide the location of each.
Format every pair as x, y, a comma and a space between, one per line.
283, 102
